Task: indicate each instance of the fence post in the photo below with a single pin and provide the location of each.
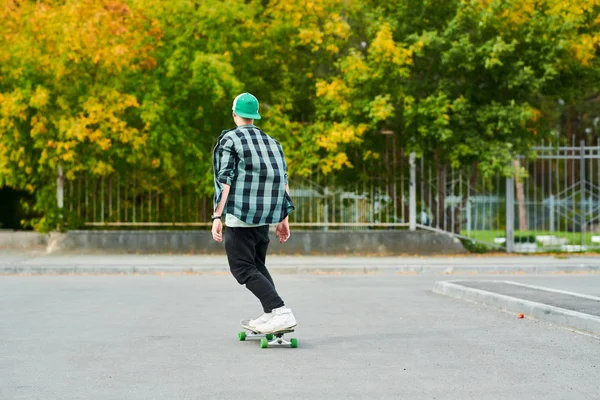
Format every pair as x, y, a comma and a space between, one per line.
326, 209
551, 205
59, 187
469, 217
510, 215
60, 194
582, 188
412, 199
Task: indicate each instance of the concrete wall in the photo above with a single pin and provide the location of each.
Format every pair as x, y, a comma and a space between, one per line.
301, 242
18, 240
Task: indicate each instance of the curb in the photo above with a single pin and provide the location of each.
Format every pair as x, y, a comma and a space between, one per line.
560, 316
21, 269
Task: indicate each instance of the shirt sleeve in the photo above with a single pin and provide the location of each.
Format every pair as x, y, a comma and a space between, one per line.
227, 155
285, 167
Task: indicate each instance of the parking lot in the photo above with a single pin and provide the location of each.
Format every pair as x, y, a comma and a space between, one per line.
361, 336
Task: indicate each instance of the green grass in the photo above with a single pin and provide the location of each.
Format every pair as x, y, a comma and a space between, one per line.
574, 238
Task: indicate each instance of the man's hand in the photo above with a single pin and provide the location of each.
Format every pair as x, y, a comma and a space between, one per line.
283, 231
217, 230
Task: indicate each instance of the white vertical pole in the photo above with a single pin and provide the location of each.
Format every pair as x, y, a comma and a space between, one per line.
551, 205
60, 187
325, 219
582, 189
510, 215
468, 217
326, 208
412, 209
60, 194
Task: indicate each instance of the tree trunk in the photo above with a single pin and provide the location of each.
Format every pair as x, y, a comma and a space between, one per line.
520, 198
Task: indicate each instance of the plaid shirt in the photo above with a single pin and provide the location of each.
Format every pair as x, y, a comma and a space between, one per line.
253, 164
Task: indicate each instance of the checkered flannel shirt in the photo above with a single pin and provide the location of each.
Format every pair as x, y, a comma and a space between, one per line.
253, 164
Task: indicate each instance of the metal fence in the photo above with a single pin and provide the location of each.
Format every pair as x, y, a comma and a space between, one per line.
552, 204
134, 201
559, 207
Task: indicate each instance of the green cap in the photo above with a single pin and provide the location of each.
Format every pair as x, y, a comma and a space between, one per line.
246, 106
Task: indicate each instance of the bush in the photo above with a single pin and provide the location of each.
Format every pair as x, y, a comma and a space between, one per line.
475, 247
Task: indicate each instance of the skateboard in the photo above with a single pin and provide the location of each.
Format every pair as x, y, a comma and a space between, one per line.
267, 339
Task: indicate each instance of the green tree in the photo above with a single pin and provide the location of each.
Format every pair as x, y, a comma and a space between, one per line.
464, 83
143, 87
66, 98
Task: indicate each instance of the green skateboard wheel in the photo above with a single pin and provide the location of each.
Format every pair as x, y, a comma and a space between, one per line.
264, 343
293, 343
269, 336
242, 336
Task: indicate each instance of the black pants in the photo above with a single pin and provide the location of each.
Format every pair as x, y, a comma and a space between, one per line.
246, 252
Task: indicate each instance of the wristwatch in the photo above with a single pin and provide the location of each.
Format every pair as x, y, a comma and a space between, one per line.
213, 217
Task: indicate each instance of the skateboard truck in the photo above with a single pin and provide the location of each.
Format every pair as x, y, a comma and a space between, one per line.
252, 334
278, 340
267, 339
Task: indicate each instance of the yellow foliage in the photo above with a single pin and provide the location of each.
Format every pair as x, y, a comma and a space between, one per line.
370, 155
381, 109
68, 44
13, 105
68, 156
38, 125
336, 92
318, 23
332, 48
584, 49
518, 12
335, 161
95, 135
385, 50
341, 133
355, 68
341, 160
39, 98
338, 27
312, 37
102, 168
105, 143
356, 64
100, 32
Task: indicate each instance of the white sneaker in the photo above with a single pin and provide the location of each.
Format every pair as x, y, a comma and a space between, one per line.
260, 320
283, 318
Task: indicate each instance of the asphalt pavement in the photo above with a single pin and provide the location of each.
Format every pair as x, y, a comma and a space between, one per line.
382, 336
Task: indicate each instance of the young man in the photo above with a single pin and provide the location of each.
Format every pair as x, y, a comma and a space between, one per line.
251, 192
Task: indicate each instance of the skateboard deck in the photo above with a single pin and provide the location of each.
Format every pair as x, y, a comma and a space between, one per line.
267, 339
